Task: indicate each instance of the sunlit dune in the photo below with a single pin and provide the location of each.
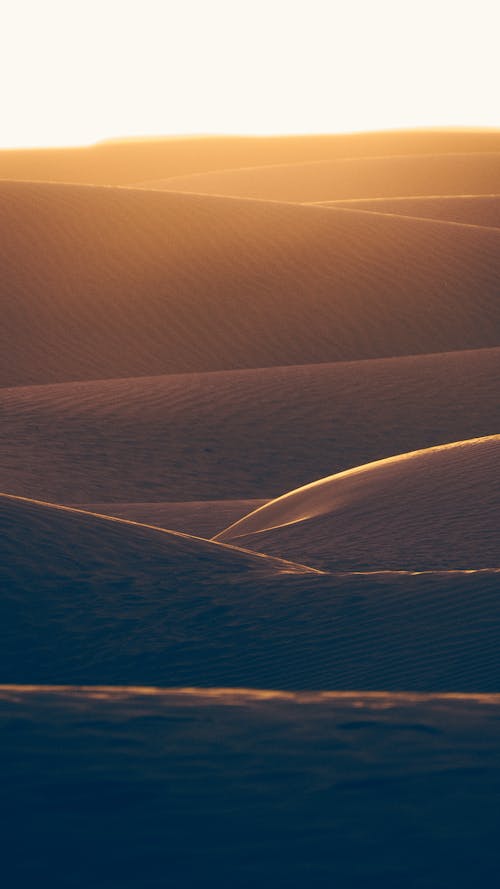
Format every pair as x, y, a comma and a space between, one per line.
365, 177
431, 509
481, 209
91, 600
102, 282
124, 162
223, 435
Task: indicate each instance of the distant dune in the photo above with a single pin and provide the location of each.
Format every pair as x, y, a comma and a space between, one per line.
123, 162
91, 600
432, 509
237, 434
365, 177
481, 209
251, 789
102, 282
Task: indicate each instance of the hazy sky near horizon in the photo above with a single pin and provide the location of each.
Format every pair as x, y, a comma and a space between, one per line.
76, 71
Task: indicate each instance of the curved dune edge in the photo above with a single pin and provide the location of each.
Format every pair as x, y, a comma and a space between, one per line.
256, 521
373, 700
281, 564
473, 209
124, 161
348, 178
435, 509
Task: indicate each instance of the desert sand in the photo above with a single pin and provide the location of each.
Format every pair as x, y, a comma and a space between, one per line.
469, 209
360, 177
234, 787
249, 512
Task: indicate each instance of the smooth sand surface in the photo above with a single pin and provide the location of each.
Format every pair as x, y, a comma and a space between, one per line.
125, 161
248, 434
239, 788
93, 600
473, 209
431, 509
365, 177
123, 282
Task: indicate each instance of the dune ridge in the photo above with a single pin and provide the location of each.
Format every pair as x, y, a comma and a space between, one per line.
359, 177
473, 209
122, 162
89, 600
214, 283
436, 508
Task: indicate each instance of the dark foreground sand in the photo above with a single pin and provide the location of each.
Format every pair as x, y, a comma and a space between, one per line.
119, 788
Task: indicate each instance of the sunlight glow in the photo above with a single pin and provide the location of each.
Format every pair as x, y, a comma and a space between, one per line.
74, 72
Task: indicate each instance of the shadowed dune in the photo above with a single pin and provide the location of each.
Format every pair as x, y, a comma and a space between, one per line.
123, 282
238, 434
251, 788
471, 209
365, 177
203, 518
125, 161
432, 509
87, 599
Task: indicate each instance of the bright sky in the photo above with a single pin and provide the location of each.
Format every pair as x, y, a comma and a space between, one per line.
76, 71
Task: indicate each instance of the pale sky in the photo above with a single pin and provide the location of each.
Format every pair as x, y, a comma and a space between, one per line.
77, 71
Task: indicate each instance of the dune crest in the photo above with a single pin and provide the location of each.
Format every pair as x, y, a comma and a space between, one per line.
348, 178
472, 209
424, 510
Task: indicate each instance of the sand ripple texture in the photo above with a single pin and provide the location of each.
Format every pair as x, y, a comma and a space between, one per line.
123, 282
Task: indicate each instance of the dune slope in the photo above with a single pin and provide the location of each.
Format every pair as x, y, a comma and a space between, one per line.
89, 600
237, 434
123, 282
365, 177
471, 209
125, 161
434, 509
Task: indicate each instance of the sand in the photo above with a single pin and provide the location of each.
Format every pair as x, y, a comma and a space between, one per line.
360, 177
470, 209
125, 161
431, 509
124, 282
223, 436
311, 698
237, 788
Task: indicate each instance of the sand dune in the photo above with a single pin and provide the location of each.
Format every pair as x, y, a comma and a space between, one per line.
203, 518
237, 434
471, 209
170, 362
91, 600
122, 162
431, 509
253, 789
124, 283
365, 177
